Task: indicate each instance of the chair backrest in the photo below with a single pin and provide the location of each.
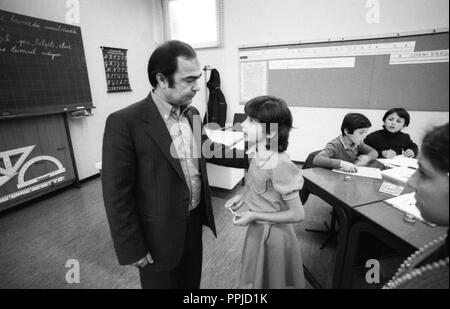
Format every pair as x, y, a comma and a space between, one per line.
237, 120
310, 159
304, 194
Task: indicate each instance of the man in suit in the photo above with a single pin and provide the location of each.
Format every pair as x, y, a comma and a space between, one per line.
155, 188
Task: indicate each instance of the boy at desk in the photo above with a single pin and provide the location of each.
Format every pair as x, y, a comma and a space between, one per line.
348, 150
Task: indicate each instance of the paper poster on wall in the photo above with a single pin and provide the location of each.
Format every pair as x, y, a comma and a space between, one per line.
313, 63
116, 69
430, 56
253, 80
351, 50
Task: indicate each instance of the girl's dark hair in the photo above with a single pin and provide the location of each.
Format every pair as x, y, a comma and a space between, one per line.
354, 121
435, 147
164, 60
272, 110
401, 112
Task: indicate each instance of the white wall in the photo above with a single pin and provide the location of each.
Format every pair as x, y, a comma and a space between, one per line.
136, 25
128, 24
250, 22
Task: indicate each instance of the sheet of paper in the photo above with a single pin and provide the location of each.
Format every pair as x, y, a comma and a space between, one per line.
229, 138
401, 174
253, 80
407, 204
364, 171
400, 161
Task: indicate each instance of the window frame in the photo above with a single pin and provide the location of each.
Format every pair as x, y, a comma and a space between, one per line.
203, 45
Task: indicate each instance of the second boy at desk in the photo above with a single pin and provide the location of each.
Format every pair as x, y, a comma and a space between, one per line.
348, 150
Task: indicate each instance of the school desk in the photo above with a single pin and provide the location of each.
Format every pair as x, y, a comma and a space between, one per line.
387, 224
343, 195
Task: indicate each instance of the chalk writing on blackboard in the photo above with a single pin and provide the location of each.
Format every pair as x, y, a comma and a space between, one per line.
43, 67
116, 70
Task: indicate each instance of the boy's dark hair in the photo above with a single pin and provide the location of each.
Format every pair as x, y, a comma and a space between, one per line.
164, 60
272, 110
354, 121
401, 112
435, 147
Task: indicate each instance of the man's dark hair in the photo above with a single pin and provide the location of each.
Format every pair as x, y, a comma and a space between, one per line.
164, 60
354, 121
272, 110
435, 147
401, 112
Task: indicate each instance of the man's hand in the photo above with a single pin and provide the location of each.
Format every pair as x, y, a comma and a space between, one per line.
348, 167
144, 261
409, 153
389, 154
235, 202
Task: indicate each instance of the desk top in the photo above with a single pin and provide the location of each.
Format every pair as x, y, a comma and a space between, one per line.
355, 192
416, 234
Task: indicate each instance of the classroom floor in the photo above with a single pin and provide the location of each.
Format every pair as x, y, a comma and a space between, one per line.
37, 240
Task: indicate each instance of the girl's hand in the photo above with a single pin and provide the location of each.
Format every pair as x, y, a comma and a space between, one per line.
235, 202
409, 153
245, 218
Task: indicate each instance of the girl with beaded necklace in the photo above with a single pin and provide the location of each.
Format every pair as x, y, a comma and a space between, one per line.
429, 266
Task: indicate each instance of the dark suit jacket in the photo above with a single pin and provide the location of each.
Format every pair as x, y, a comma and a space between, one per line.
144, 189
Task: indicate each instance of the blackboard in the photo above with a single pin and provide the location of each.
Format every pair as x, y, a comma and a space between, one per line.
410, 71
43, 67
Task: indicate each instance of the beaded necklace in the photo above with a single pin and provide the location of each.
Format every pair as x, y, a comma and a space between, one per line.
407, 272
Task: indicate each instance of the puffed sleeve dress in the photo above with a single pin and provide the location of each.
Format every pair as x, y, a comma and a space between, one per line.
271, 256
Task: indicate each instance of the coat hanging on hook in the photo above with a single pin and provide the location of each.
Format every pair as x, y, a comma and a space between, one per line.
217, 106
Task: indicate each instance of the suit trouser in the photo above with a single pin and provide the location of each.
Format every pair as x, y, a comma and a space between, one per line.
187, 274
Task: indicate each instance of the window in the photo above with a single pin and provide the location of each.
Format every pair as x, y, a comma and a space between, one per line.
197, 22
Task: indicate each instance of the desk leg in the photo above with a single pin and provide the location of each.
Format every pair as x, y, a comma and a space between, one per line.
354, 238
341, 246
344, 227
350, 256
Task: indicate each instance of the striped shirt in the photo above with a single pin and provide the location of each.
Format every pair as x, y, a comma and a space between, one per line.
183, 146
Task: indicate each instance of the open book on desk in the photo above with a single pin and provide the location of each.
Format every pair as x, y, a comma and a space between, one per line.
363, 171
400, 161
407, 204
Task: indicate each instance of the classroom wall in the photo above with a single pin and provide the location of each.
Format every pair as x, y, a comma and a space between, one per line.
250, 22
137, 26
113, 23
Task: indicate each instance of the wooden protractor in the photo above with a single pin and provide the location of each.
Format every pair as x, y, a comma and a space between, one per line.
21, 183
